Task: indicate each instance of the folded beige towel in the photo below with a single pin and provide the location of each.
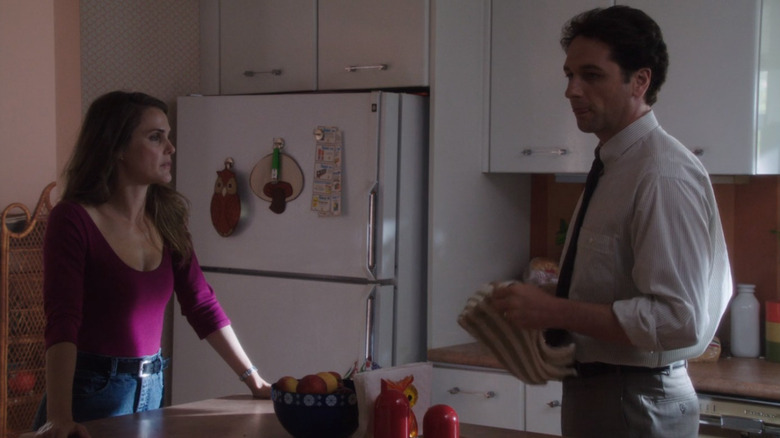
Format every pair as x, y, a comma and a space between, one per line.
524, 353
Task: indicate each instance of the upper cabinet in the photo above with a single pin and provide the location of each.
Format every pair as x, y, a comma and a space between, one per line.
304, 45
720, 97
709, 99
373, 44
532, 128
267, 46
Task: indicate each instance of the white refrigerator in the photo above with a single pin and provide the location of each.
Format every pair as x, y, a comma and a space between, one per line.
307, 289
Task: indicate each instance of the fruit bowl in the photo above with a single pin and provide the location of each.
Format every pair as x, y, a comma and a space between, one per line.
317, 415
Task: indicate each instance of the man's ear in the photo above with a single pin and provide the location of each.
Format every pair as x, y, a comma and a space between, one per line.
641, 81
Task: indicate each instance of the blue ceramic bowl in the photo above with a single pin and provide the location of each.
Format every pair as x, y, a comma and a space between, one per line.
317, 415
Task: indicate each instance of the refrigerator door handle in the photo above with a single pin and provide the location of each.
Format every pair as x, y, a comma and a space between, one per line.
370, 324
371, 229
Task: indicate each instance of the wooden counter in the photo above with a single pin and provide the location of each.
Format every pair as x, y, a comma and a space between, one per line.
753, 378
238, 416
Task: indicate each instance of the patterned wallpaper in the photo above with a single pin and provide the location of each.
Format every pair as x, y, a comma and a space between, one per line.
140, 45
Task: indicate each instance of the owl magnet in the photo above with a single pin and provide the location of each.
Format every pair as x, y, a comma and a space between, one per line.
277, 178
225, 202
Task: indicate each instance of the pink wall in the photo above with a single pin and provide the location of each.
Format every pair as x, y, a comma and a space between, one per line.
36, 96
58, 55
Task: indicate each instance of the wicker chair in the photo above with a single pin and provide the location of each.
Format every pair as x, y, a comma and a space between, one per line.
22, 320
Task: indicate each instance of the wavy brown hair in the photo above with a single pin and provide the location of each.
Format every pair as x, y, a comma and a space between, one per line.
91, 172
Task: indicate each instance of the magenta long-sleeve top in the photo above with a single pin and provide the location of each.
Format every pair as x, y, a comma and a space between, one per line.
96, 301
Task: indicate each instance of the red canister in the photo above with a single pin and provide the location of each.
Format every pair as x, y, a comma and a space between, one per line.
772, 331
391, 414
441, 421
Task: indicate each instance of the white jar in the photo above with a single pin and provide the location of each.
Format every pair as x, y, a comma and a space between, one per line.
745, 322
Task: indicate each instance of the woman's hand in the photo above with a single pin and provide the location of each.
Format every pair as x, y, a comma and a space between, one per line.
259, 387
65, 429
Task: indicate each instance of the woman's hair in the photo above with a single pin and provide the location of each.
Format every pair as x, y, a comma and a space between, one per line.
634, 39
91, 172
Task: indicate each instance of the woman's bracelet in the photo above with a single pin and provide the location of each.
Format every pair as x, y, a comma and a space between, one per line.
247, 373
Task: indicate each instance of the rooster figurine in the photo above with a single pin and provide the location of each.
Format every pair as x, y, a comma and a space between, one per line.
406, 387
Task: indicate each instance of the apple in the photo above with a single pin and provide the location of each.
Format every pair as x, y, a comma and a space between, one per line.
312, 384
22, 382
287, 384
331, 380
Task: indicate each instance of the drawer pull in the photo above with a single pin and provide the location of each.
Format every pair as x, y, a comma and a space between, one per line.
274, 72
354, 68
553, 404
554, 151
456, 390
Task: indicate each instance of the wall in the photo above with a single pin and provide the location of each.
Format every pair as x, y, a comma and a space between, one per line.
58, 55
479, 223
749, 209
28, 130
143, 45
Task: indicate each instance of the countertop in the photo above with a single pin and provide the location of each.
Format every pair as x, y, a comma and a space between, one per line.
238, 416
753, 378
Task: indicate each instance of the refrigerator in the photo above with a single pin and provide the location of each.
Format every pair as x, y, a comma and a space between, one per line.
337, 274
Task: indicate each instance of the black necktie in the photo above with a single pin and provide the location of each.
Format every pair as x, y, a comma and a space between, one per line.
556, 336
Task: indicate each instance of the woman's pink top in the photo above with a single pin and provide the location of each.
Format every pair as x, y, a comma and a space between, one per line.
95, 300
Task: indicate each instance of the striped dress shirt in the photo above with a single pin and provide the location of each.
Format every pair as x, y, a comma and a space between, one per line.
652, 245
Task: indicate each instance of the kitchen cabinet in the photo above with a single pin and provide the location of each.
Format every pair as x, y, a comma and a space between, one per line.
484, 397
543, 408
373, 44
721, 98
709, 100
305, 45
267, 46
532, 128
22, 320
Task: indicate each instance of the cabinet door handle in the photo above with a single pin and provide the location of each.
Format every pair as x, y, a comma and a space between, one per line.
456, 390
552, 151
553, 404
272, 72
354, 68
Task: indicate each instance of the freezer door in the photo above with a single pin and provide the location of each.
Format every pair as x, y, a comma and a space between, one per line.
211, 129
287, 327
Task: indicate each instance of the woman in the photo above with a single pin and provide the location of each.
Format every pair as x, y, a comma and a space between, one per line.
116, 248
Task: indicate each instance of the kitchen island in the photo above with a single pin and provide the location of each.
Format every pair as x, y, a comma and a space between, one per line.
238, 416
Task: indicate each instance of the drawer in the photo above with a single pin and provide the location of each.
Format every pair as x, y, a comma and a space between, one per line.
481, 397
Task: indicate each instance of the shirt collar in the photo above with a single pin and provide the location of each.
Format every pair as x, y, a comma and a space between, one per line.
623, 140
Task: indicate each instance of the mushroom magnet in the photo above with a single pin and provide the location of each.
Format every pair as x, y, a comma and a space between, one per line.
277, 178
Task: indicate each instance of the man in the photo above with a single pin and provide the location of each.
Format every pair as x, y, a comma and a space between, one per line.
651, 278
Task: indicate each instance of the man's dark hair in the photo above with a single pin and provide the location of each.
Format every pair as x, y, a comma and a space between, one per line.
634, 39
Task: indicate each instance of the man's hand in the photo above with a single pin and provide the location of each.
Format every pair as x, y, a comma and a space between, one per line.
524, 305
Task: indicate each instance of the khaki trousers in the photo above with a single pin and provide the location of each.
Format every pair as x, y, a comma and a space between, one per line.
630, 404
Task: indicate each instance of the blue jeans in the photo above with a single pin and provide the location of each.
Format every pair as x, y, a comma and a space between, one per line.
108, 393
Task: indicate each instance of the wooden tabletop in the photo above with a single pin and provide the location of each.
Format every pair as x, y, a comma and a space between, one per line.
238, 416
752, 378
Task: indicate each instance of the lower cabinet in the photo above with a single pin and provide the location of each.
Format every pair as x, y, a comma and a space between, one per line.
495, 398
481, 396
543, 408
